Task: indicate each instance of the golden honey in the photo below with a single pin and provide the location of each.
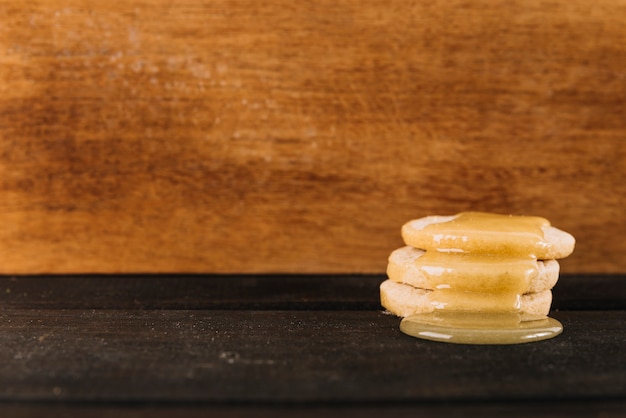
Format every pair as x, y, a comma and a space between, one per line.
453, 300
485, 233
477, 272
463, 328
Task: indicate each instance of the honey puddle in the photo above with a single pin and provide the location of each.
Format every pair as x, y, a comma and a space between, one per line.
480, 328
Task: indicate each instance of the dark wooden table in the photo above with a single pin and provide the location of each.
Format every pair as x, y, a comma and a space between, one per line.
279, 345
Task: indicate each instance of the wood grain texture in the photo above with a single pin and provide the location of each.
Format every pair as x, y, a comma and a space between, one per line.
539, 409
72, 346
242, 136
256, 292
286, 357
138, 346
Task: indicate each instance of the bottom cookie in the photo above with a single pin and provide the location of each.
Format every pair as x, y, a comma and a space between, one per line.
405, 300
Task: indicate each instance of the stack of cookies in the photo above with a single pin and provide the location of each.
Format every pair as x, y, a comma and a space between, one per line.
475, 262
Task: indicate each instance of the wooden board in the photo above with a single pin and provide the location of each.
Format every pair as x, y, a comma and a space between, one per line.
293, 356
72, 355
256, 292
243, 136
539, 409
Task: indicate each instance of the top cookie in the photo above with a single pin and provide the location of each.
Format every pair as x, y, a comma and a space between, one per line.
495, 234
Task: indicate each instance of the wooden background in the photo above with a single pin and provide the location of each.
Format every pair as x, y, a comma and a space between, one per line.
281, 136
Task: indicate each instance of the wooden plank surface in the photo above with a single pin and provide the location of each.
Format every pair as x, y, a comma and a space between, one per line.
91, 351
243, 136
255, 292
570, 409
294, 356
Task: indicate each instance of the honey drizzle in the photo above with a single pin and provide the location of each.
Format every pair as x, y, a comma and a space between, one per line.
477, 272
478, 232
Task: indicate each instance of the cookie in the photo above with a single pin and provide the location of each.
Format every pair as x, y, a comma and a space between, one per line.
405, 300
402, 268
553, 243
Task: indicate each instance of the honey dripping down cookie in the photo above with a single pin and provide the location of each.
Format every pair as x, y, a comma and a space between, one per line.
476, 278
